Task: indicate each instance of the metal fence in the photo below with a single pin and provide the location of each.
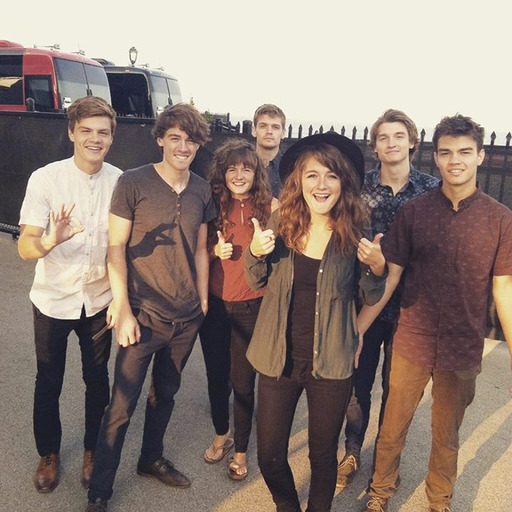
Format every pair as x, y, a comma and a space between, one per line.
494, 175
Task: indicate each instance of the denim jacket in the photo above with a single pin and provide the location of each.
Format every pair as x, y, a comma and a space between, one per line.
335, 331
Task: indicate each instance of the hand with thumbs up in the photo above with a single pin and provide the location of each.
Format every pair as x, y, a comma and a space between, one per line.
370, 253
263, 242
223, 249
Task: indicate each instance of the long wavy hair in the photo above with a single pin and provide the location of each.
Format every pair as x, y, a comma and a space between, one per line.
232, 152
348, 217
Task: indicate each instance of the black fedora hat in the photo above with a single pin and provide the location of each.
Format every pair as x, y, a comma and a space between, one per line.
343, 144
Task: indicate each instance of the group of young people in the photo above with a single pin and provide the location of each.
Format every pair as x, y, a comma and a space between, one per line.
293, 268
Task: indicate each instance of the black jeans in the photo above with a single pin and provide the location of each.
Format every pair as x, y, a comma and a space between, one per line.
225, 336
358, 412
51, 341
171, 345
277, 400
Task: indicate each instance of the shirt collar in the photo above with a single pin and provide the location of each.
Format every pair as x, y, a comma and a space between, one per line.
463, 203
415, 179
373, 178
83, 175
276, 160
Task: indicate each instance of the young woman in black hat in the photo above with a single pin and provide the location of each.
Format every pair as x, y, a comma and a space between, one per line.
306, 336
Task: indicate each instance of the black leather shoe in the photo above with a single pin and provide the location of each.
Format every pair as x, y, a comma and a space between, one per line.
47, 473
97, 505
165, 472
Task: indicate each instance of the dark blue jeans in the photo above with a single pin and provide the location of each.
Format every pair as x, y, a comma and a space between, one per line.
169, 345
51, 341
358, 412
225, 336
277, 400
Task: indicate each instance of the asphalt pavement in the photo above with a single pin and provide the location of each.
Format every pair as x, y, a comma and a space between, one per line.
485, 460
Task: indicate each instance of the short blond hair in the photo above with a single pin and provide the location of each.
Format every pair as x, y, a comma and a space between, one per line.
396, 116
269, 110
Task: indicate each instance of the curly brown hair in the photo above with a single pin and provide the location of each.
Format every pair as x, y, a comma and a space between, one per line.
232, 152
348, 217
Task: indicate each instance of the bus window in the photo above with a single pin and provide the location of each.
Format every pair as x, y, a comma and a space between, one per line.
129, 92
71, 80
97, 80
11, 80
174, 88
39, 88
160, 95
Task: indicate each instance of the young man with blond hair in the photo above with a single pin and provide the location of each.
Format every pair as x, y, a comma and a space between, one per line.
269, 130
395, 180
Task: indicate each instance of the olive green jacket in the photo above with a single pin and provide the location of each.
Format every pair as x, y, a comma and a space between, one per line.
339, 279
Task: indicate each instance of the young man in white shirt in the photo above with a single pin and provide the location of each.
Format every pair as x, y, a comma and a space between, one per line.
64, 226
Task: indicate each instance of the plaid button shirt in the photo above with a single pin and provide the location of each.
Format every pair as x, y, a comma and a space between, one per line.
383, 206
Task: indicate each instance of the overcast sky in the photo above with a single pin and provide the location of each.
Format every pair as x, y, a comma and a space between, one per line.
329, 62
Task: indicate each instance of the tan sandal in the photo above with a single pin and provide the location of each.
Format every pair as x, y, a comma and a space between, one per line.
214, 454
236, 470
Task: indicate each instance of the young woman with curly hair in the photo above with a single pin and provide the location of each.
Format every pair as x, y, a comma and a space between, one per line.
241, 192
306, 334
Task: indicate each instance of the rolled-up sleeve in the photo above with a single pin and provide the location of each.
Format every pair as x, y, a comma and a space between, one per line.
256, 270
371, 287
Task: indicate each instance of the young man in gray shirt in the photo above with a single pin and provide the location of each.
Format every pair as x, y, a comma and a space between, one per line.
158, 268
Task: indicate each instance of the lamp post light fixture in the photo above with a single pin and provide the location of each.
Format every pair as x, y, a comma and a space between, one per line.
133, 55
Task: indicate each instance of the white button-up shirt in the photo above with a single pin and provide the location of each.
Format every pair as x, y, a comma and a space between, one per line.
74, 274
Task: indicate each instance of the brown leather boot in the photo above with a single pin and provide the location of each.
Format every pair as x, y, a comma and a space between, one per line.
47, 474
87, 468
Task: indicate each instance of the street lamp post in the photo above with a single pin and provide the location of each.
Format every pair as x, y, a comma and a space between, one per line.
133, 55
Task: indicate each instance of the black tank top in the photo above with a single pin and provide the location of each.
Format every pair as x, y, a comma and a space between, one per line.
301, 316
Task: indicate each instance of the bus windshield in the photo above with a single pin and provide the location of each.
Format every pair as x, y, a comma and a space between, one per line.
73, 81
